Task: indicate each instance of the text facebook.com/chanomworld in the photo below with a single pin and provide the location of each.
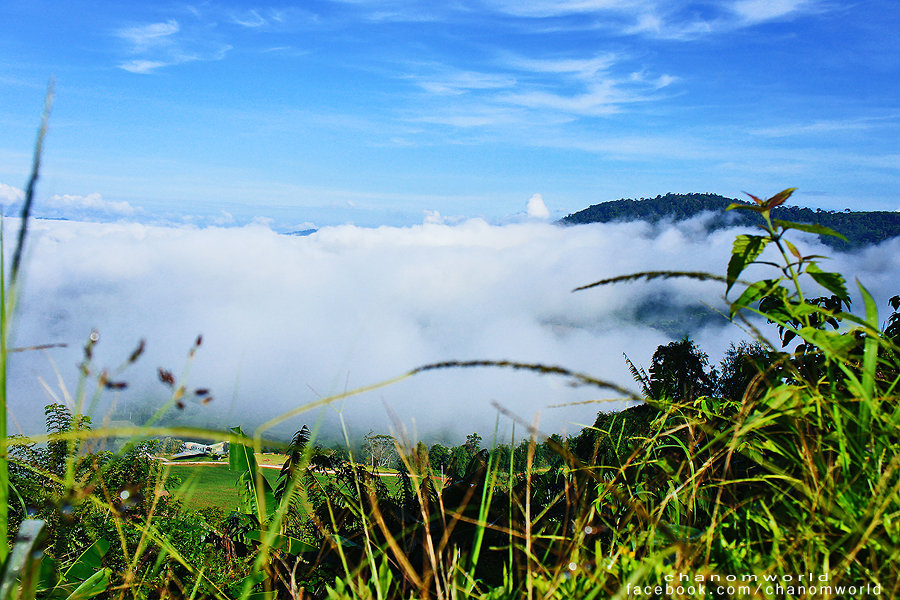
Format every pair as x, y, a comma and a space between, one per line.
780, 585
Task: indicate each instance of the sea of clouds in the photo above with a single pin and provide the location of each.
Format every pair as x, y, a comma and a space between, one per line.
288, 319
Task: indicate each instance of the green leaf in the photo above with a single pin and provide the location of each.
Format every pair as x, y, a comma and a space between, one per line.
870, 354
49, 578
793, 250
831, 342
746, 249
240, 456
92, 586
819, 229
754, 292
262, 596
90, 561
255, 489
787, 337
833, 282
281, 542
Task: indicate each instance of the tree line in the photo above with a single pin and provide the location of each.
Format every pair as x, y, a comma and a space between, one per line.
860, 228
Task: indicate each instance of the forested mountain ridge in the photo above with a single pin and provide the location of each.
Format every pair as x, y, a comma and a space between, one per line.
859, 227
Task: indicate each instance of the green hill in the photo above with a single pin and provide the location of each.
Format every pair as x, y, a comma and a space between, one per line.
860, 228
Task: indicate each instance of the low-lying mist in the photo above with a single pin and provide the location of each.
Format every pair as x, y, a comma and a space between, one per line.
288, 319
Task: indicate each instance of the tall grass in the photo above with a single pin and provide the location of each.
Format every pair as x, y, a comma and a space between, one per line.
8, 294
798, 477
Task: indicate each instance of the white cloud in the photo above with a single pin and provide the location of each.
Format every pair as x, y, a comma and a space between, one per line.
249, 19
757, 11
474, 115
9, 194
536, 207
458, 83
143, 66
600, 99
582, 86
676, 19
226, 218
92, 202
586, 68
553, 8
664, 81
154, 35
347, 306
822, 126
433, 217
159, 45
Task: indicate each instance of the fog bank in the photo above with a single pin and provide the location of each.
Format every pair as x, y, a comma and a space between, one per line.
287, 319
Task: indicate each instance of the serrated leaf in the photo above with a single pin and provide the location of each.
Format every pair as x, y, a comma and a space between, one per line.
745, 250
819, 229
802, 309
833, 282
829, 341
754, 292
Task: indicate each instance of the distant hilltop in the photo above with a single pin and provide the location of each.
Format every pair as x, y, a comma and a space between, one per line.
860, 228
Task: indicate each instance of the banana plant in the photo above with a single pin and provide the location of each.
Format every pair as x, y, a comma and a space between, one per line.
258, 526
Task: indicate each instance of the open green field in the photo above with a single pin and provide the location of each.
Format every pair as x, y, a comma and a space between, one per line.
214, 485
203, 486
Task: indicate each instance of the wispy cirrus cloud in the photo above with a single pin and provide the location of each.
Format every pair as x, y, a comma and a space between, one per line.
758, 11
583, 86
154, 35
556, 8
548, 90
143, 66
673, 19
585, 68
460, 82
251, 18
470, 117
822, 126
600, 99
158, 45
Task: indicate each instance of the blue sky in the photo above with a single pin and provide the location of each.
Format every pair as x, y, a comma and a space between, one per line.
325, 112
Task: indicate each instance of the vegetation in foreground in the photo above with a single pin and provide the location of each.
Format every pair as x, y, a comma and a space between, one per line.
782, 483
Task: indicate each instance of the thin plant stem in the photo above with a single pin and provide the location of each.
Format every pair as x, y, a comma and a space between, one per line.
7, 307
